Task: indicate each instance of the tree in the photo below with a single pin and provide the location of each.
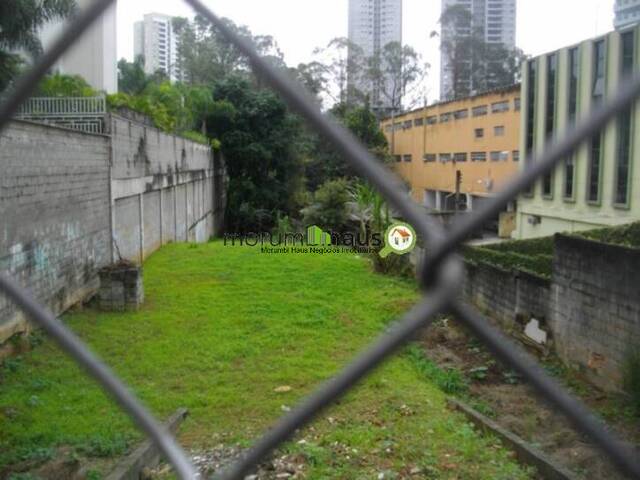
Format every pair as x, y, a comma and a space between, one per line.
19, 23
260, 141
132, 78
58, 85
329, 209
205, 56
474, 65
341, 66
324, 163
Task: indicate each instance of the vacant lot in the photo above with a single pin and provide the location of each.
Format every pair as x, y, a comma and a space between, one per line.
222, 328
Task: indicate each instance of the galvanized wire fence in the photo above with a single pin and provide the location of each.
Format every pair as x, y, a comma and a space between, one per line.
441, 270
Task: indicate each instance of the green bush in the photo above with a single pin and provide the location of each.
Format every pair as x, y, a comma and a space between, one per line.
627, 235
631, 376
535, 246
538, 264
329, 207
195, 136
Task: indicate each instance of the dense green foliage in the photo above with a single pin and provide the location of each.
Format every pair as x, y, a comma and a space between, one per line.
534, 255
19, 23
58, 85
222, 327
627, 235
329, 206
258, 137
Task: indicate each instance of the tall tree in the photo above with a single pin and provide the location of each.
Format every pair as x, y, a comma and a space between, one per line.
259, 139
474, 65
19, 24
132, 78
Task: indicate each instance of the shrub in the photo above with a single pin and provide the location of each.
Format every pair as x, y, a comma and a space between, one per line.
631, 376
538, 264
627, 235
329, 208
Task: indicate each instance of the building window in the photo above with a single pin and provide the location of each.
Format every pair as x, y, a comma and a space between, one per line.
407, 158
500, 107
495, 156
478, 156
569, 175
595, 163
445, 157
459, 114
479, 132
531, 114
479, 111
432, 120
407, 124
573, 84
445, 117
498, 130
460, 157
552, 68
516, 155
593, 187
623, 154
418, 122
429, 157
398, 158
516, 104
598, 71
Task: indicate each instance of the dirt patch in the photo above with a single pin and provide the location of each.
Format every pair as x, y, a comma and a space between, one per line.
500, 394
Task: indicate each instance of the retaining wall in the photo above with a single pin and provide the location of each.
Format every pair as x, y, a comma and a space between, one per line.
72, 202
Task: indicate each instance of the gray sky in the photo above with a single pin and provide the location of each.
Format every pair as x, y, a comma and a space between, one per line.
301, 25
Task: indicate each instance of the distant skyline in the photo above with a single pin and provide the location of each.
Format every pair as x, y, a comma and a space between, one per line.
299, 26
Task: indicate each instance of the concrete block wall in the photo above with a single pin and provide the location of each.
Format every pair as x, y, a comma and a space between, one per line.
72, 203
596, 306
163, 189
54, 215
507, 296
590, 308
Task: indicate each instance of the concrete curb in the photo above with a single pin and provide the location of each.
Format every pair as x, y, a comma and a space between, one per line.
146, 455
525, 453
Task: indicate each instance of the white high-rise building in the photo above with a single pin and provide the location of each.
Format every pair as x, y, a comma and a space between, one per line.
372, 25
155, 39
627, 12
494, 19
93, 55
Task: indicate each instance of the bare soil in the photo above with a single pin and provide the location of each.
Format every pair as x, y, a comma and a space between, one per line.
499, 393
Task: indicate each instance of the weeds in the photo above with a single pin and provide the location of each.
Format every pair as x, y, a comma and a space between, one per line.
449, 380
631, 377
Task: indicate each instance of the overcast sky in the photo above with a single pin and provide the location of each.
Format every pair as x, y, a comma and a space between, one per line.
301, 25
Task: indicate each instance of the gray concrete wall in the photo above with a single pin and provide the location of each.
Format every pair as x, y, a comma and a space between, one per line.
590, 309
172, 181
71, 203
510, 297
596, 306
54, 215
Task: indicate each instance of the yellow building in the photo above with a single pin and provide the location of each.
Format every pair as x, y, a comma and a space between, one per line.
474, 140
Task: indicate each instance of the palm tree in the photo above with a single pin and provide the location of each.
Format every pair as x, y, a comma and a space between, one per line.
19, 24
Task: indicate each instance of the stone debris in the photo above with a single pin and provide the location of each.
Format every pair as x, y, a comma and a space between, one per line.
213, 460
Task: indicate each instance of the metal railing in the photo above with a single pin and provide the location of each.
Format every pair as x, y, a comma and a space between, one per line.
86, 114
440, 272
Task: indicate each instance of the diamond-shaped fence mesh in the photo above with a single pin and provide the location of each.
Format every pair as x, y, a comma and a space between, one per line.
441, 270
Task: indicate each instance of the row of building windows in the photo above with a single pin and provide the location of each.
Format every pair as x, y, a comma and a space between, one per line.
597, 88
446, 117
494, 156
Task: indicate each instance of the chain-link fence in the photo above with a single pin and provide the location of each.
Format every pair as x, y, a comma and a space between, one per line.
440, 271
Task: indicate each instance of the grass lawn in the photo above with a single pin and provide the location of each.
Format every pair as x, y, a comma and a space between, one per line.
221, 329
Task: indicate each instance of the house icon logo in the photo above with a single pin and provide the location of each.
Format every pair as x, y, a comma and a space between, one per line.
400, 238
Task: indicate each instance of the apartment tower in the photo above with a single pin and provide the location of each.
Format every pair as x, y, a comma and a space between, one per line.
372, 25
627, 12
495, 20
155, 39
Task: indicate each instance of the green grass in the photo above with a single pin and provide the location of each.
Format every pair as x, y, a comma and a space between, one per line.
221, 329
